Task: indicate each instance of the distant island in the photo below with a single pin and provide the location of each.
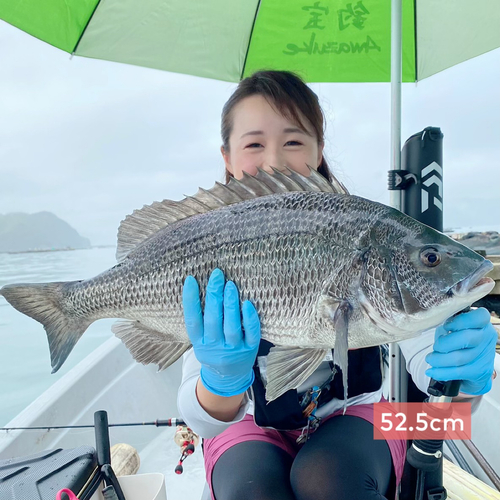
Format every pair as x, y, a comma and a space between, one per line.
42, 231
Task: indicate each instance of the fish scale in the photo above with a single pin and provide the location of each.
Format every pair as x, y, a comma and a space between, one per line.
279, 243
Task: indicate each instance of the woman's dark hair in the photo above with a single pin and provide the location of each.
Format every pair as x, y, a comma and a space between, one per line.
291, 97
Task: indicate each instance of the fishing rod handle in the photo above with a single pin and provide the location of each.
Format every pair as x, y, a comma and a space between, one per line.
171, 422
102, 445
449, 389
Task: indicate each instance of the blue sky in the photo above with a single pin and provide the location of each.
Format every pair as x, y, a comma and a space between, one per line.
92, 140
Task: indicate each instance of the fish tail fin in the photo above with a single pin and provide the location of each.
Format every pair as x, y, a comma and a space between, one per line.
43, 302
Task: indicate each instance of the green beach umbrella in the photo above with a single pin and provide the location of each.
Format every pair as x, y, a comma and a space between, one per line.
324, 41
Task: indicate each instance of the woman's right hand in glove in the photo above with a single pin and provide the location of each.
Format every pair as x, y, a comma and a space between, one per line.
225, 350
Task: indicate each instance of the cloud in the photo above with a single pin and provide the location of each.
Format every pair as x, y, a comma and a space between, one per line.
92, 140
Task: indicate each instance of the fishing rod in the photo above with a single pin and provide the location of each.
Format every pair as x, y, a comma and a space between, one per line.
184, 437
171, 422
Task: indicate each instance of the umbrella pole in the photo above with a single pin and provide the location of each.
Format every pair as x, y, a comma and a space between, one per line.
396, 72
397, 373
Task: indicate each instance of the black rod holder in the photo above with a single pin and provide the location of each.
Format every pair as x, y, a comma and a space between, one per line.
421, 183
103, 447
103, 451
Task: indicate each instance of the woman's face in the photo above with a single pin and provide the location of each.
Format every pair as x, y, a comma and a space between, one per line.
262, 138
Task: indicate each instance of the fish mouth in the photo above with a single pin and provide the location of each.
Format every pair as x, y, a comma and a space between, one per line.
476, 283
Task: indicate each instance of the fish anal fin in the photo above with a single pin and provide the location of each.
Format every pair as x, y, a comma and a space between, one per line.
150, 219
289, 367
149, 346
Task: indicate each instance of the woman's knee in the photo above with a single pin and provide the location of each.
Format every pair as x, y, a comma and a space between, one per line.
312, 482
342, 461
253, 470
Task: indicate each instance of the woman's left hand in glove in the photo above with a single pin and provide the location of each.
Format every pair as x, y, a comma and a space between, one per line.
464, 349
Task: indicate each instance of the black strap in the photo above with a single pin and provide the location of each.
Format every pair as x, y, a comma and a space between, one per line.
285, 412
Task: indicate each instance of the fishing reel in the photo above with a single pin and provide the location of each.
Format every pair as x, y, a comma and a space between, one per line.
187, 440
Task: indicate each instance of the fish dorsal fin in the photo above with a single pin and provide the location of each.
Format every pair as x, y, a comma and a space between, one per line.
148, 220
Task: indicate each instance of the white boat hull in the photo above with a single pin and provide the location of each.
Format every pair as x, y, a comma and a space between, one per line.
109, 379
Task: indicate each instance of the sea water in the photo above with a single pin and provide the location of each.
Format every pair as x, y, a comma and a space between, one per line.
25, 370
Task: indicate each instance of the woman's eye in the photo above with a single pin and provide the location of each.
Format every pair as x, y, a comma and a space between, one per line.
294, 143
253, 145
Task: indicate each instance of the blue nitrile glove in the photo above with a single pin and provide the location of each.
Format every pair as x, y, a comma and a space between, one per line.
467, 353
226, 352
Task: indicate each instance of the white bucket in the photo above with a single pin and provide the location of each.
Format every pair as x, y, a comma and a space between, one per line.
139, 487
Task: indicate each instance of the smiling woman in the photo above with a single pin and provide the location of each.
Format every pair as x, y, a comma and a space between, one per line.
273, 120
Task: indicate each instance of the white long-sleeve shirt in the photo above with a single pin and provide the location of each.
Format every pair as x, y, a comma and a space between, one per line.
414, 351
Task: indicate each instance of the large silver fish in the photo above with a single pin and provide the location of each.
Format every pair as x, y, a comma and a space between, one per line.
324, 269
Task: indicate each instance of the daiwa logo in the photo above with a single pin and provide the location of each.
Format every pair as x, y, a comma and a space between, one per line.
436, 178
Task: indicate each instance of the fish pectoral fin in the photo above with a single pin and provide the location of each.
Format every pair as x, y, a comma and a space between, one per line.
341, 324
338, 311
289, 367
149, 346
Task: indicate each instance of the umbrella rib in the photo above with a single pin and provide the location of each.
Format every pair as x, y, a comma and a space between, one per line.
250, 39
415, 27
85, 29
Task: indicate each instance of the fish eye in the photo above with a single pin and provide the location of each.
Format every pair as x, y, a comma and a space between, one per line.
430, 257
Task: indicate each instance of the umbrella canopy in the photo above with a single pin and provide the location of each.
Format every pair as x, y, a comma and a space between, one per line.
323, 41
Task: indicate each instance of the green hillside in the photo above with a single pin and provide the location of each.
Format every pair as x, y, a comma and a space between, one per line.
21, 232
